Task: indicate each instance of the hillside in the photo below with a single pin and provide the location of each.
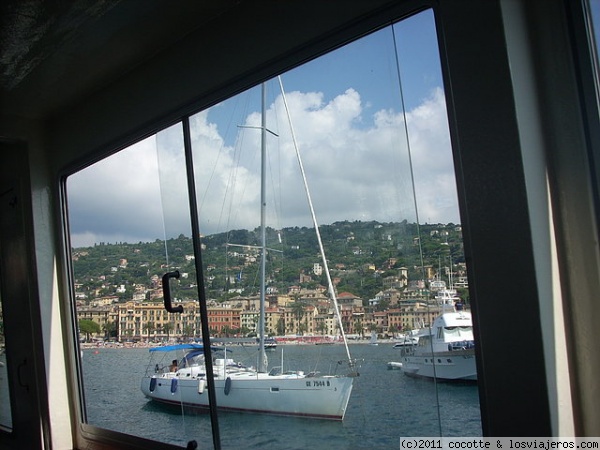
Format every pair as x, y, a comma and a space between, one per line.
360, 256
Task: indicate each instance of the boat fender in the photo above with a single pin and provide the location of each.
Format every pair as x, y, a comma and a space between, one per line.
201, 386
152, 384
227, 386
173, 385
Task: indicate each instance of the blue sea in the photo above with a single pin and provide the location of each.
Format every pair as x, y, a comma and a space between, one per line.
385, 404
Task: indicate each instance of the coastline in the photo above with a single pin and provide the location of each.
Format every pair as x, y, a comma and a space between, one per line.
222, 342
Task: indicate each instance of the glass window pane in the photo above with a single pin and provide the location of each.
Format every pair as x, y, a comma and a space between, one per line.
368, 125
129, 220
5, 411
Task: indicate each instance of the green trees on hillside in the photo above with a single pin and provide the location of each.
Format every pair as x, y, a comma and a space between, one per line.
360, 256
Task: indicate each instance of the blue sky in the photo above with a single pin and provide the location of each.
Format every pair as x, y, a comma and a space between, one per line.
346, 109
369, 66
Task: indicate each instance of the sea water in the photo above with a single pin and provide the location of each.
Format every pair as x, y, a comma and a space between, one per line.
384, 405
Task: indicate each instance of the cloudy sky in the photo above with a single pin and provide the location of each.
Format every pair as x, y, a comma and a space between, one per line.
369, 119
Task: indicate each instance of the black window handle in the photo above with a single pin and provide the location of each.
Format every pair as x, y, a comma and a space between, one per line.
167, 292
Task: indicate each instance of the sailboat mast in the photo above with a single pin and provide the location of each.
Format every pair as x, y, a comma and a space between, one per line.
262, 357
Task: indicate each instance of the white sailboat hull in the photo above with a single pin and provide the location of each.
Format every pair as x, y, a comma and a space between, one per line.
455, 365
322, 397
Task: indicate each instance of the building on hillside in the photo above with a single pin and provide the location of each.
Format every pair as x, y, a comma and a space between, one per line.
357, 325
395, 282
304, 278
347, 316
429, 272
312, 295
104, 301
325, 324
347, 298
380, 319
394, 319
391, 296
272, 317
150, 321
139, 296
295, 325
461, 282
244, 303
223, 320
317, 269
249, 320
102, 315
293, 290
415, 314
283, 300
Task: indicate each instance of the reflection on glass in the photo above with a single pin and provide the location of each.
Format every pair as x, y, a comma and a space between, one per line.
370, 125
129, 220
5, 412
593, 8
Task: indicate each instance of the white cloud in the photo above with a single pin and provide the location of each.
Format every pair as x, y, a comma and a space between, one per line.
357, 167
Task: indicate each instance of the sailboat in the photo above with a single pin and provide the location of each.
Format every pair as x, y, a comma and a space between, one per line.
373, 340
251, 389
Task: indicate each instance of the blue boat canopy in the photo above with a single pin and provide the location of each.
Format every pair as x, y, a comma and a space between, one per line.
170, 348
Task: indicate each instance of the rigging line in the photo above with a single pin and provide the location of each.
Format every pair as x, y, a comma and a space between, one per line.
162, 193
237, 147
316, 225
219, 156
276, 204
232, 182
215, 165
277, 199
412, 179
233, 176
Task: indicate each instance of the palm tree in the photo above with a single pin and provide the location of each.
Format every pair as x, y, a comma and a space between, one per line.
298, 312
149, 327
321, 327
358, 328
281, 327
167, 328
373, 327
187, 330
110, 330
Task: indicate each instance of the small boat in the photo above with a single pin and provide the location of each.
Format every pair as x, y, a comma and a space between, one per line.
446, 350
408, 341
270, 343
393, 365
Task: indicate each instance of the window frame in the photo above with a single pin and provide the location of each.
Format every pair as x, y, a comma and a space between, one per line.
467, 94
